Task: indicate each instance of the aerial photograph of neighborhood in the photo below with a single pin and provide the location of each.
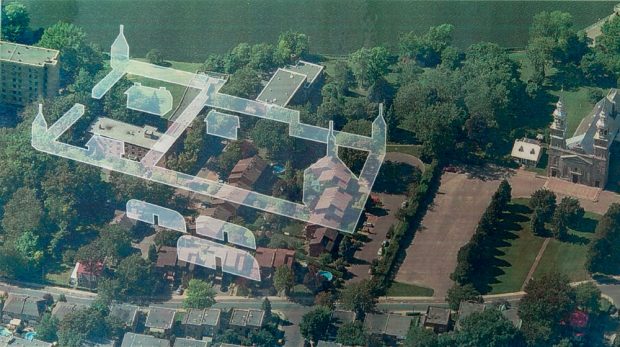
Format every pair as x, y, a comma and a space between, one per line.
309, 173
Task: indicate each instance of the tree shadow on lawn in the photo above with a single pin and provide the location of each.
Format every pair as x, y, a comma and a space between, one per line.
576, 239
586, 225
507, 230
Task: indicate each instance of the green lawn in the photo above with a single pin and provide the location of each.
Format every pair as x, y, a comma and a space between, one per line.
175, 89
518, 255
59, 278
521, 248
408, 149
404, 289
527, 70
569, 256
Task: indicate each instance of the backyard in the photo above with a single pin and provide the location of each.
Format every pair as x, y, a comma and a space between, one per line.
520, 248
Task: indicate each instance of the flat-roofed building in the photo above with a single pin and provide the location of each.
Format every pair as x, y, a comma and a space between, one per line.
27, 73
438, 319
139, 340
137, 140
62, 309
291, 84
183, 342
198, 323
23, 308
391, 325
466, 309
160, 320
128, 314
13, 341
252, 319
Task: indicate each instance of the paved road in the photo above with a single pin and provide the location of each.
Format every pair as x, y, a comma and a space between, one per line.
446, 227
398, 157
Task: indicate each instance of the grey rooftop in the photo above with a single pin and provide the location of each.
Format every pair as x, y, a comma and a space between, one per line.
23, 54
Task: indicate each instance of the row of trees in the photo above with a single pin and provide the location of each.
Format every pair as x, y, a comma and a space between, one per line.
477, 254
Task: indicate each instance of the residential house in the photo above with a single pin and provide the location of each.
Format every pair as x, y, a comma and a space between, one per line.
322, 240
393, 326
128, 314
139, 340
167, 262
14, 341
466, 308
438, 319
160, 320
198, 323
527, 152
246, 319
83, 277
23, 308
269, 259
322, 343
292, 84
62, 309
247, 172
183, 342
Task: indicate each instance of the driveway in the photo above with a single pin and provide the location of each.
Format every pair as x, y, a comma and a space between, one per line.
447, 226
368, 252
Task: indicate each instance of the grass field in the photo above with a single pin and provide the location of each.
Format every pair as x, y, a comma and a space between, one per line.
516, 258
519, 252
175, 89
404, 289
569, 256
407, 149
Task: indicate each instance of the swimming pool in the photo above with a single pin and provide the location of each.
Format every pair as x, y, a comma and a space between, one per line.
30, 335
328, 275
278, 169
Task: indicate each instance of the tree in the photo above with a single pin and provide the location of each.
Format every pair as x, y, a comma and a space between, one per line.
359, 297
115, 242
342, 78
569, 211
200, 294
15, 22
459, 293
544, 201
324, 299
23, 212
537, 223
262, 57
136, 278
488, 328
314, 324
167, 237
81, 325
291, 46
587, 297
283, 280
155, 56
351, 334
266, 306
355, 158
427, 49
369, 64
547, 301
75, 51
420, 337
559, 226
553, 38
47, 328
244, 83
504, 194
602, 253
273, 136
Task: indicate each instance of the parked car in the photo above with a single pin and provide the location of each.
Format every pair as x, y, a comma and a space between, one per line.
450, 169
179, 290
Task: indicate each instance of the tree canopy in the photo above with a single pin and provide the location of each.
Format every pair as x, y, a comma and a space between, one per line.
199, 294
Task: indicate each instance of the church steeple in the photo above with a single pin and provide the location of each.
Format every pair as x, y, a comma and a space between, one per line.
558, 127
332, 149
601, 141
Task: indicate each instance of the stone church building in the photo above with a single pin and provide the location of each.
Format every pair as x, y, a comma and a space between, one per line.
584, 157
